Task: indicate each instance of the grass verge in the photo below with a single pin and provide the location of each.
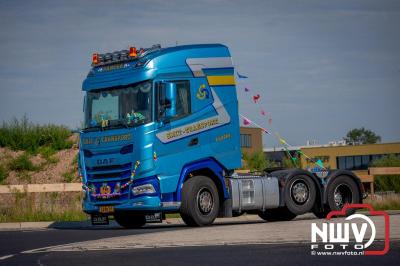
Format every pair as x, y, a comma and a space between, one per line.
384, 202
34, 207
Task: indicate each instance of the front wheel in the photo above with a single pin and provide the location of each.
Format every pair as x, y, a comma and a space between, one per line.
129, 220
200, 201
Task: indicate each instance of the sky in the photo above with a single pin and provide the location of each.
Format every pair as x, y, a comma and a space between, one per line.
320, 67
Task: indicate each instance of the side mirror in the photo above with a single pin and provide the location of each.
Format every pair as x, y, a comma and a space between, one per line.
170, 100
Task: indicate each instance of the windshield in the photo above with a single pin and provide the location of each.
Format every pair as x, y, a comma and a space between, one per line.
120, 106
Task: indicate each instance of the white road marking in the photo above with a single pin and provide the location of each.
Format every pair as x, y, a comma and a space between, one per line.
297, 231
7, 257
69, 248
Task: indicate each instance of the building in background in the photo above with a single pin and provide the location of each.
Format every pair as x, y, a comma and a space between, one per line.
251, 139
338, 155
356, 158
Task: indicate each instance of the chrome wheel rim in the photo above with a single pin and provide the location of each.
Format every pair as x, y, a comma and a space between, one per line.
205, 201
299, 192
342, 195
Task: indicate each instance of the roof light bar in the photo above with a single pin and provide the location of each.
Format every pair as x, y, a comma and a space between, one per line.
95, 59
123, 55
132, 52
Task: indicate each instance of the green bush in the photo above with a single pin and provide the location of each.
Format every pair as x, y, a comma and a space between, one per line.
48, 154
387, 182
3, 173
22, 163
70, 176
24, 135
390, 160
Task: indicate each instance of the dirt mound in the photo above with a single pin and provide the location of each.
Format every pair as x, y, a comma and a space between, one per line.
50, 170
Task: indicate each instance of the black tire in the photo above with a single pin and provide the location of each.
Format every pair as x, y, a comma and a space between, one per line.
237, 214
200, 201
279, 214
300, 194
321, 213
129, 220
342, 190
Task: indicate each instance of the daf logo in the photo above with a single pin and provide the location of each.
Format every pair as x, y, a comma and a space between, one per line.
105, 161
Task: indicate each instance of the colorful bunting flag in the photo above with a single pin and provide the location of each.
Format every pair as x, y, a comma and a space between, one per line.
246, 121
256, 98
320, 163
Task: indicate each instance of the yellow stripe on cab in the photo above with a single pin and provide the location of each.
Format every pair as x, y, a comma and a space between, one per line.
221, 80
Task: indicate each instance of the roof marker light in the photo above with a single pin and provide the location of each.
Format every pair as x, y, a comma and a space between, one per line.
132, 52
95, 59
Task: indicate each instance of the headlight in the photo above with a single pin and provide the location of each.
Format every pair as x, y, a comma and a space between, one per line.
143, 189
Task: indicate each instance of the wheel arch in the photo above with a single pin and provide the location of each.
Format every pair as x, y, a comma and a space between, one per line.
336, 173
287, 174
207, 167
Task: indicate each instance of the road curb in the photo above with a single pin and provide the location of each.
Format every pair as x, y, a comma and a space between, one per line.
113, 224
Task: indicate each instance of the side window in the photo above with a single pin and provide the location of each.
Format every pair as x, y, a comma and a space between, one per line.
182, 98
183, 103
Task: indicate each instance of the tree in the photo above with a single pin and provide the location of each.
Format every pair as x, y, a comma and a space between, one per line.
289, 163
257, 161
358, 136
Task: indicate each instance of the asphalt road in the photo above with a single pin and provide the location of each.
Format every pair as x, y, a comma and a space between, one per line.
227, 243
286, 254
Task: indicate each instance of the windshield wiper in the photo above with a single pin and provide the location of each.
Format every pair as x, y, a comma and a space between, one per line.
113, 124
93, 128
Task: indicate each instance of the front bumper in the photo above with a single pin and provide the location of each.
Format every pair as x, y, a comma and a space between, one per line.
140, 204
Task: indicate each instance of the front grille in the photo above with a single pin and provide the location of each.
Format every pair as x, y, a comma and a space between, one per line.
112, 176
123, 167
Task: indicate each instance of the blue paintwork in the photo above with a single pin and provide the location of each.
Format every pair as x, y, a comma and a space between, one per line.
208, 163
175, 159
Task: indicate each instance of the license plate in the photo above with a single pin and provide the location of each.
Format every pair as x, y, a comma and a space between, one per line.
106, 209
154, 218
99, 219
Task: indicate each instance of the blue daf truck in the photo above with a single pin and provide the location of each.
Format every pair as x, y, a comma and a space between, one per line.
161, 136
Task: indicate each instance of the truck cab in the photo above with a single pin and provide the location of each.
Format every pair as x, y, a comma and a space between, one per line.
161, 135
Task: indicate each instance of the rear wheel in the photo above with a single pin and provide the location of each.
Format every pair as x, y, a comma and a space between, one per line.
343, 190
279, 214
200, 201
300, 194
321, 212
129, 220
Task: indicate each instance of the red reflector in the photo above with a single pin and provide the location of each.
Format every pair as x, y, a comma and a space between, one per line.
132, 52
95, 59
